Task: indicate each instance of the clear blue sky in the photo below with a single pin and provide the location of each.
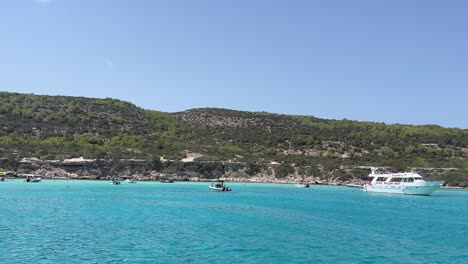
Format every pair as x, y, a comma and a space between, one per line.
387, 61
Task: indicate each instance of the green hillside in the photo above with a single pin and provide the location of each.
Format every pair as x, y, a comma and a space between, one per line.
59, 127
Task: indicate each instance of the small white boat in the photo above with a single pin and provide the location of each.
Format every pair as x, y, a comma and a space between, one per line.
115, 181
219, 186
302, 185
130, 181
355, 185
33, 179
400, 183
166, 181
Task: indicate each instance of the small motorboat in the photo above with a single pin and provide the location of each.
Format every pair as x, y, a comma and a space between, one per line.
302, 185
36, 179
130, 181
33, 179
219, 186
166, 181
355, 185
115, 181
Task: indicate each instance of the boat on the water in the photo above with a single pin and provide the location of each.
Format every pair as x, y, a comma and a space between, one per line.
400, 183
166, 181
354, 185
219, 186
130, 181
302, 185
115, 181
32, 178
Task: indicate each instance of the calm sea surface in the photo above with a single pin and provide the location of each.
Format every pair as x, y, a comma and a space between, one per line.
150, 222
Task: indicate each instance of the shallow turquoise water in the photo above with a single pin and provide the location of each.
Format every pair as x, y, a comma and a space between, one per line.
149, 222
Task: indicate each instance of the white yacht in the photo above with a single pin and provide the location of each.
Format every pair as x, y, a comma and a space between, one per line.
400, 183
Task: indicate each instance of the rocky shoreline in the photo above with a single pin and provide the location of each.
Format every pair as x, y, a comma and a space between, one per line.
93, 178
155, 176
145, 170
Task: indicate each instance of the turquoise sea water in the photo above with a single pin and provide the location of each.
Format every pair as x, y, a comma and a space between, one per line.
150, 222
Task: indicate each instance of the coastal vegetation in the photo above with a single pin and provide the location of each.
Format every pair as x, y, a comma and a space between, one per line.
60, 127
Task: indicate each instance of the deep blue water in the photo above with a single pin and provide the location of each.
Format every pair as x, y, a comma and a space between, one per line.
149, 222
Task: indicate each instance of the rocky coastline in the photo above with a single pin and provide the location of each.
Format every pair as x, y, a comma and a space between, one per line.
196, 171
